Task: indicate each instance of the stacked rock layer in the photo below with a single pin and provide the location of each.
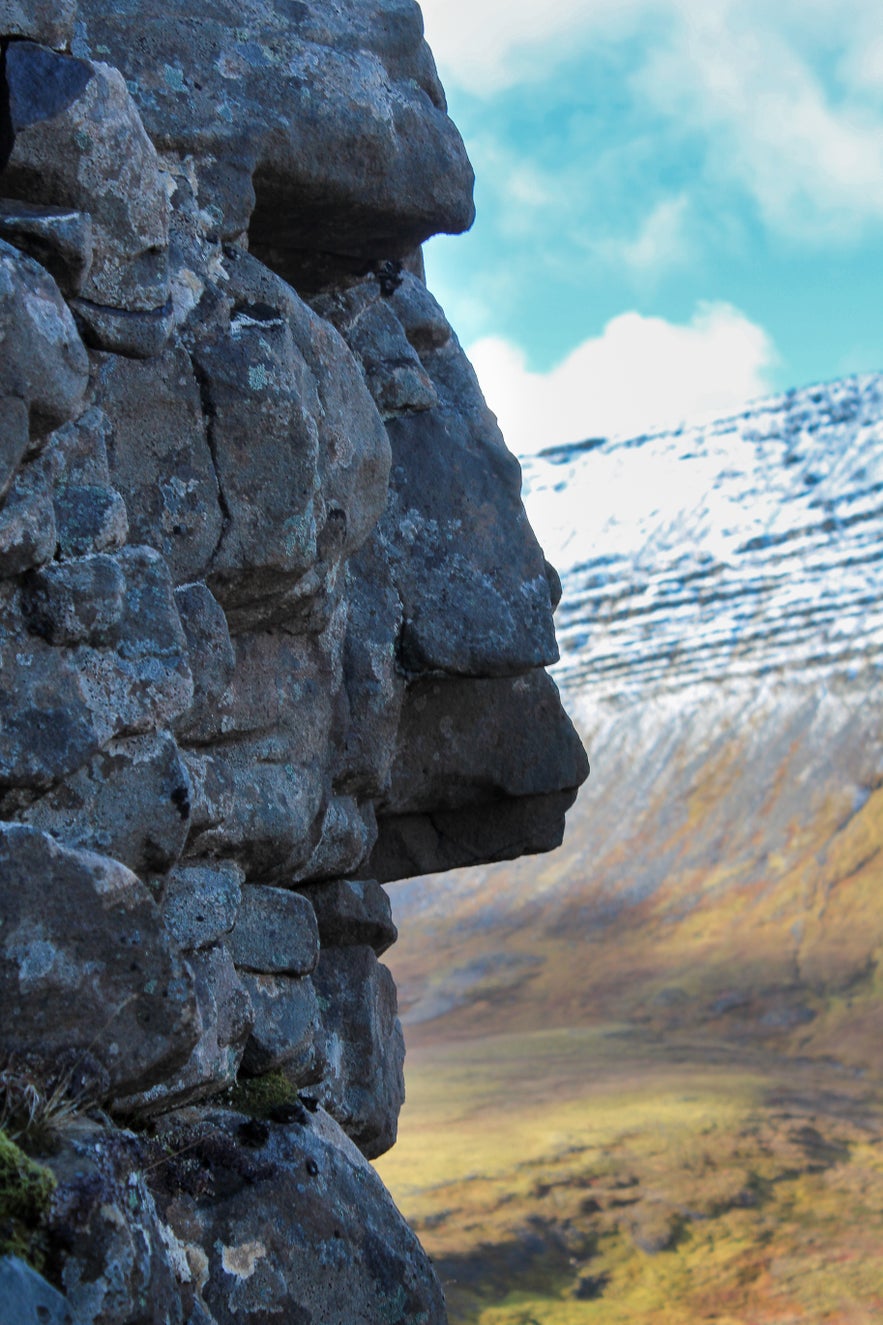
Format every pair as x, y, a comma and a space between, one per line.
273, 627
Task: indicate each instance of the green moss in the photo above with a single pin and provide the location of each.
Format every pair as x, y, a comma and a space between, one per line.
259, 1096
26, 1189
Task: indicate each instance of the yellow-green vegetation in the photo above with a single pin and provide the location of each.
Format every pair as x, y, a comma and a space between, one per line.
260, 1096
603, 1178
26, 1189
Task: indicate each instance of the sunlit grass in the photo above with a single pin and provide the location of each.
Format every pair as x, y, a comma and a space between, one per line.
599, 1177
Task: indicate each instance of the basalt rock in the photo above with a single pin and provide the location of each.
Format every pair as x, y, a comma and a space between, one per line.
272, 628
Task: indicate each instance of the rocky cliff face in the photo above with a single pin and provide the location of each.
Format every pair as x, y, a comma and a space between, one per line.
273, 627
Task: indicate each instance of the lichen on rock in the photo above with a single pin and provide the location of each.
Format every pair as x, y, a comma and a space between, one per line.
273, 627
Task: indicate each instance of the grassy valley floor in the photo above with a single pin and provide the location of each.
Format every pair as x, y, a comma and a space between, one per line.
609, 1175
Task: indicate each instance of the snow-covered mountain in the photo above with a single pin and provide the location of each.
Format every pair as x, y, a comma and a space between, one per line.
749, 547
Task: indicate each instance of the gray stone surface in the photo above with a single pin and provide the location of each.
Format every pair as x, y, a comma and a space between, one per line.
286, 1027
275, 932
76, 130
159, 457
200, 902
352, 912
322, 130
122, 1263
86, 963
44, 362
130, 801
363, 1086
349, 832
76, 602
329, 1245
226, 1017
48, 21
59, 238
25, 1296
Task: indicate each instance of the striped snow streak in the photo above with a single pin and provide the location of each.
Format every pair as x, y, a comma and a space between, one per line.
752, 547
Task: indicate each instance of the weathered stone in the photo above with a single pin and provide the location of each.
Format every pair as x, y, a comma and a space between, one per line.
14, 438
61, 705
44, 362
28, 534
90, 514
79, 143
271, 754
86, 964
89, 517
471, 575
226, 1017
463, 742
363, 1087
56, 237
412, 844
48, 21
375, 687
301, 454
286, 1027
349, 832
395, 376
275, 932
131, 801
118, 1261
329, 1246
137, 335
25, 1296
159, 457
484, 770
324, 129
210, 650
264, 815
75, 602
352, 913
200, 902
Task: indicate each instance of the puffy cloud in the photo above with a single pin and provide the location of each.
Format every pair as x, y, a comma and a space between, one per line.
641, 373
786, 97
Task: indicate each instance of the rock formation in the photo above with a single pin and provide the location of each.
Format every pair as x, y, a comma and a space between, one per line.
273, 628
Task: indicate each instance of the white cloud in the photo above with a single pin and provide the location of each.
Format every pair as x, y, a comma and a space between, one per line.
786, 96
660, 244
641, 373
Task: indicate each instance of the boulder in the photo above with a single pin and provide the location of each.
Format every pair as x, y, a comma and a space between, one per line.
226, 1017
44, 362
275, 933
363, 1087
78, 142
321, 1205
352, 913
321, 131
86, 964
27, 1299
285, 1033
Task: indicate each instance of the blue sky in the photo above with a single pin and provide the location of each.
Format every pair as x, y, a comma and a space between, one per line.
680, 204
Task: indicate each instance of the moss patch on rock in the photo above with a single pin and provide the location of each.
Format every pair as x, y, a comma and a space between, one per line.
26, 1189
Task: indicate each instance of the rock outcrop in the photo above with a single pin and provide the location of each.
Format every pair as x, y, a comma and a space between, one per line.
273, 631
